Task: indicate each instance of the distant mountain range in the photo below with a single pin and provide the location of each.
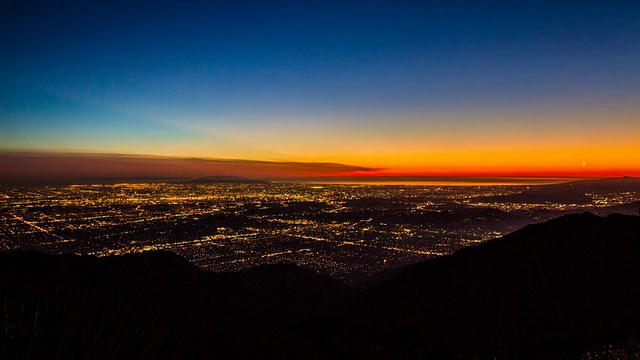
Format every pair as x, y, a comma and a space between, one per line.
574, 192
559, 289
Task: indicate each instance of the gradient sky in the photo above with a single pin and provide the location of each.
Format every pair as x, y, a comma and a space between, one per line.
414, 87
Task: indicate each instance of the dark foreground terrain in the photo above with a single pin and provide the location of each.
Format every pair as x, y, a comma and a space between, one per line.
566, 288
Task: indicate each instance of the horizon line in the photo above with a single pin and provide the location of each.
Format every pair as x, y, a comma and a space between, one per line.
34, 165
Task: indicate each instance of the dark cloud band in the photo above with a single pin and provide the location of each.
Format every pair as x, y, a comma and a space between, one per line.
30, 167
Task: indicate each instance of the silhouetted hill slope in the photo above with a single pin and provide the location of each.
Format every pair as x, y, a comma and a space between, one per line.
626, 209
149, 305
555, 289
570, 281
624, 183
575, 192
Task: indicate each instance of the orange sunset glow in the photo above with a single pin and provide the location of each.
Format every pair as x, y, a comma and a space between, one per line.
419, 99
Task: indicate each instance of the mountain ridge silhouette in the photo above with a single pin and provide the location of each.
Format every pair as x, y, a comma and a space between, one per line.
558, 288
572, 279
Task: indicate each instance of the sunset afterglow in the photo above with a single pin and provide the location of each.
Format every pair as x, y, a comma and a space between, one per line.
437, 89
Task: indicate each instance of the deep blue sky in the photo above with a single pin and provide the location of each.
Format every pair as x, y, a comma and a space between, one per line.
383, 81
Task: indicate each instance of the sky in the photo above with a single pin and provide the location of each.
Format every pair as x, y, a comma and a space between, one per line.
434, 88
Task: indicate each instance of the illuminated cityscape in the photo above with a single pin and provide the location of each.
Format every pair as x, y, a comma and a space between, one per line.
319, 179
351, 232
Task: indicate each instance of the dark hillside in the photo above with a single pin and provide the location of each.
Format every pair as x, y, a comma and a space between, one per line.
572, 280
149, 305
552, 290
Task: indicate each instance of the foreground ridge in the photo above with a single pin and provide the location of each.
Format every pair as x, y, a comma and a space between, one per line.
571, 281
559, 288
